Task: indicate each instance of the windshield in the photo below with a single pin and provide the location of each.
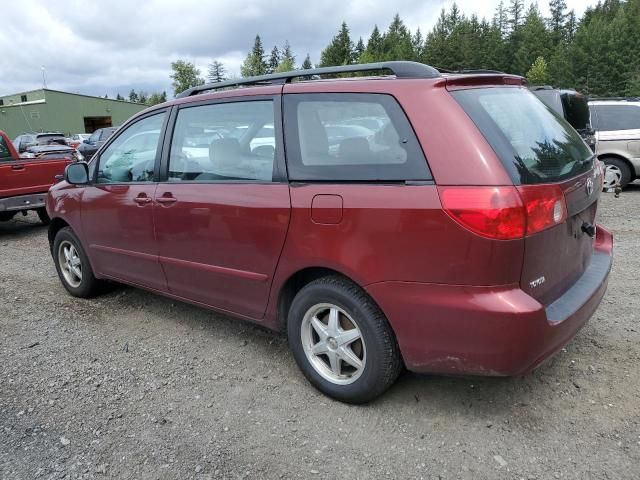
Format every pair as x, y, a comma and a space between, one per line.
533, 142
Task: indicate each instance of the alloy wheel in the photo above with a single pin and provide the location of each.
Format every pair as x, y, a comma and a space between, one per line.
612, 175
333, 344
70, 263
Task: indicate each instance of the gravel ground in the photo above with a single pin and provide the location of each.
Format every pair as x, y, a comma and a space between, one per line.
133, 385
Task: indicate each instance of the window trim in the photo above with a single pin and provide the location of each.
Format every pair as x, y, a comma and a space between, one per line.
279, 164
95, 160
323, 174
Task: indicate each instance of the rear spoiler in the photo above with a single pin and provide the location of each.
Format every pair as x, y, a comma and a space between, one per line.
478, 80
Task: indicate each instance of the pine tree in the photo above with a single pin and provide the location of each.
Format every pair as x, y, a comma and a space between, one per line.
557, 20
397, 43
516, 15
359, 50
142, 98
535, 41
133, 96
287, 60
340, 50
500, 19
254, 64
216, 72
307, 65
417, 43
119, 97
274, 60
373, 50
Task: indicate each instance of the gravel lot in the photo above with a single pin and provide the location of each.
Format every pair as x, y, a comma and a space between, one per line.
132, 385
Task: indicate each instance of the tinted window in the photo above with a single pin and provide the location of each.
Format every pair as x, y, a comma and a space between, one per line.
533, 142
54, 138
616, 117
224, 141
350, 137
576, 110
4, 150
131, 157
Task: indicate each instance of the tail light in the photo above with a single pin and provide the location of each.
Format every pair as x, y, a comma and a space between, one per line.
505, 213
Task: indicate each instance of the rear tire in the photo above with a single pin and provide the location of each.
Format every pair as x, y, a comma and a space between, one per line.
73, 265
616, 171
342, 341
43, 216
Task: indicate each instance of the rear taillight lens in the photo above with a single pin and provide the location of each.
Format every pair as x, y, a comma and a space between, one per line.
545, 206
493, 212
505, 213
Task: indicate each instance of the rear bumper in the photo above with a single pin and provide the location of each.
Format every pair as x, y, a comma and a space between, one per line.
456, 329
23, 202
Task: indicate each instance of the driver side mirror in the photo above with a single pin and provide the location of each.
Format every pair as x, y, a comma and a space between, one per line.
77, 173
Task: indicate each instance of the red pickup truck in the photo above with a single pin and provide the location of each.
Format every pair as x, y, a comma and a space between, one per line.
24, 181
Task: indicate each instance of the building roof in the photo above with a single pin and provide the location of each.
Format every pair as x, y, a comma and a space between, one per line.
45, 90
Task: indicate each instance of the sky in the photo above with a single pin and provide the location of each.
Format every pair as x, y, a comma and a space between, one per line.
100, 47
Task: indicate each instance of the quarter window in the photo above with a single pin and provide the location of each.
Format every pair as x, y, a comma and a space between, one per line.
351, 137
224, 142
132, 156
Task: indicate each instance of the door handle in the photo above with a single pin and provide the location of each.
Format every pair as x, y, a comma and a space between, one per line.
167, 198
142, 199
17, 167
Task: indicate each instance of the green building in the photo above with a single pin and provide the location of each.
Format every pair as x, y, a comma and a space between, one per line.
47, 110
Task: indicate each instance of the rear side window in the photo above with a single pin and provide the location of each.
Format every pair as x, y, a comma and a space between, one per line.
232, 141
534, 144
616, 117
350, 137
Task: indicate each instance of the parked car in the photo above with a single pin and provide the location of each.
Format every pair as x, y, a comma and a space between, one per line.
77, 139
90, 146
23, 142
25, 181
617, 125
464, 243
572, 106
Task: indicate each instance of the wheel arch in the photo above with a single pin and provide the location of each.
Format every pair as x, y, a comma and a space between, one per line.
55, 226
295, 282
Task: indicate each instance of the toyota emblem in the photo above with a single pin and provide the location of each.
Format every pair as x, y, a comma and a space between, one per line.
589, 186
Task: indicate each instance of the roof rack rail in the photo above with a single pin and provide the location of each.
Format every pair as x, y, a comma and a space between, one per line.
399, 69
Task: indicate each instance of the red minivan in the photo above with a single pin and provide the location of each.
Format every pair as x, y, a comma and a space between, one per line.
440, 222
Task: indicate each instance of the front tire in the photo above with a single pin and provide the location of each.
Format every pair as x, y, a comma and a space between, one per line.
342, 341
73, 265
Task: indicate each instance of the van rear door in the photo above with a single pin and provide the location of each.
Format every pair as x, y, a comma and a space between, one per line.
544, 156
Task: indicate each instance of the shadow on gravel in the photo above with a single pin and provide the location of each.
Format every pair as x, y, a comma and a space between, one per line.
20, 227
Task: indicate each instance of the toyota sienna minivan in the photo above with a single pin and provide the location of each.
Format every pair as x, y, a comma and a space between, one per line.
453, 233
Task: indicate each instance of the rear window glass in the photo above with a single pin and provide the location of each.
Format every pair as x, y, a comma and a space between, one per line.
350, 137
616, 117
534, 143
52, 138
